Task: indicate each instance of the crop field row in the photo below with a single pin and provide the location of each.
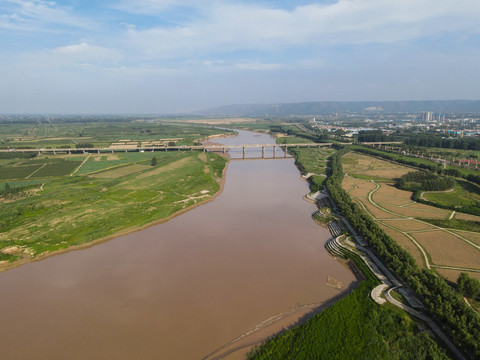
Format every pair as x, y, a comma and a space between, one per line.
101, 133
39, 168
447, 249
401, 218
368, 166
99, 162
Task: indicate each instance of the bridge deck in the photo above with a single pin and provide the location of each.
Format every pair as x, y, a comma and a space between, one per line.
166, 148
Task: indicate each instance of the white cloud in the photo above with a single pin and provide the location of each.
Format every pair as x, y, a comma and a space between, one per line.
158, 6
256, 65
37, 14
86, 51
231, 26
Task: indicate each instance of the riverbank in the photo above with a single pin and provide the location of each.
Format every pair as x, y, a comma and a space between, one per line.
353, 319
72, 219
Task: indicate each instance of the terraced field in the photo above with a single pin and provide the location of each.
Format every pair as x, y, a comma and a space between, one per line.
447, 251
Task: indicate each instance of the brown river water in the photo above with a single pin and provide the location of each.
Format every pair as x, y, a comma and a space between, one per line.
185, 288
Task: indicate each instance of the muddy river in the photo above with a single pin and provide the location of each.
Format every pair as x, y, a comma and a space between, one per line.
206, 284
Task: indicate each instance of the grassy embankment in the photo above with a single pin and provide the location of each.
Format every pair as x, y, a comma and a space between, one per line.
311, 161
71, 211
55, 202
353, 328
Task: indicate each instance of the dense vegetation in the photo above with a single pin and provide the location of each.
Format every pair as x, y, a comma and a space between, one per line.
444, 304
399, 158
468, 286
460, 224
372, 136
468, 207
354, 328
295, 131
427, 181
312, 161
443, 142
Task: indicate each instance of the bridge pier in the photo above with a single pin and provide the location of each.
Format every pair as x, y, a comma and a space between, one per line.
204, 149
224, 151
83, 151
98, 151
286, 148
274, 152
263, 152
243, 148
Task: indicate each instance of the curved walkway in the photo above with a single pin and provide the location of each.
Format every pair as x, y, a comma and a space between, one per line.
435, 192
371, 201
387, 279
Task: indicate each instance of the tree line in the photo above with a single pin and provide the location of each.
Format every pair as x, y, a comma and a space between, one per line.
468, 286
434, 168
372, 136
445, 305
431, 140
427, 181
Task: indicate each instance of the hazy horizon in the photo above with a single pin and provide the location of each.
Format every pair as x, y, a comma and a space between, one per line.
179, 56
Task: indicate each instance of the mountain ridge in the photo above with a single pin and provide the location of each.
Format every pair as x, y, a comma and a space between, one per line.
336, 107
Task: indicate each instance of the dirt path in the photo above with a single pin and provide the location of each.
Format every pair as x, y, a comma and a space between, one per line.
41, 167
83, 162
387, 279
435, 192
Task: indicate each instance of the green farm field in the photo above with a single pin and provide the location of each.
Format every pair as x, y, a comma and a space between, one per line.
293, 140
51, 202
102, 133
40, 167
464, 194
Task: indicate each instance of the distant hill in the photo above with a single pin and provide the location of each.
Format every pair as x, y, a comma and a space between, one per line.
332, 107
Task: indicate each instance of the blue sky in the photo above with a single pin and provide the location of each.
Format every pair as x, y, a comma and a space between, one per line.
165, 56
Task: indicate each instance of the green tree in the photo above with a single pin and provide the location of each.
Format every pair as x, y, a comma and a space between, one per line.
153, 162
